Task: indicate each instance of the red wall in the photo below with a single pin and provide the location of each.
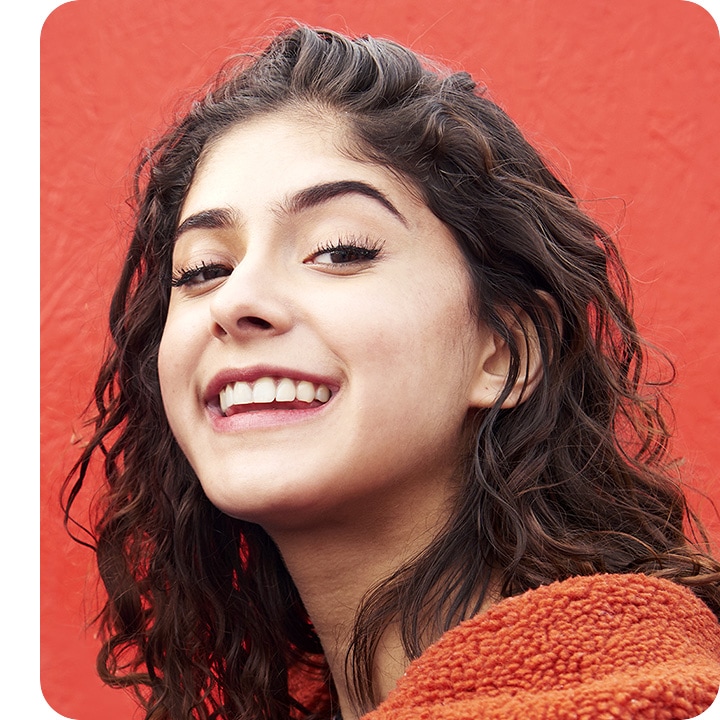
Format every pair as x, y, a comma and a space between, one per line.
621, 94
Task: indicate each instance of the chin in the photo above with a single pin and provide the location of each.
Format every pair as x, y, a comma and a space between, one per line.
268, 503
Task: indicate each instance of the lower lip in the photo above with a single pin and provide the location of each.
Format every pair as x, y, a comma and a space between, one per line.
262, 418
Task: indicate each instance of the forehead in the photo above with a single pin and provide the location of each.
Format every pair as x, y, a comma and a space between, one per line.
273, 155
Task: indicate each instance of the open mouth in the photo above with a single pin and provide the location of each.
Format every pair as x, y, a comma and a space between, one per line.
271, 393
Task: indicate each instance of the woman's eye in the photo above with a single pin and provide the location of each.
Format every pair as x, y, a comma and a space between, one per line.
199, 274
344, 254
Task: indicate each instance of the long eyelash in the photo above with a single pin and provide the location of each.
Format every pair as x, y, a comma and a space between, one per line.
185, 275
368, 248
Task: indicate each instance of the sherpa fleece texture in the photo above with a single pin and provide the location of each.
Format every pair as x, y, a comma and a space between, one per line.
598, 647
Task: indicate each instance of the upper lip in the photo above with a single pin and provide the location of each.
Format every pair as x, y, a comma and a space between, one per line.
250, 374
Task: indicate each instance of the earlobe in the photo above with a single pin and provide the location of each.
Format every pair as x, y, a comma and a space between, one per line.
493, 368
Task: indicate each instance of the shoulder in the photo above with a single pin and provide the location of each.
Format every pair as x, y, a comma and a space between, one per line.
610, 646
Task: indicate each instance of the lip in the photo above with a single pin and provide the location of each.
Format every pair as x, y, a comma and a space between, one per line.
250, 374
265, 417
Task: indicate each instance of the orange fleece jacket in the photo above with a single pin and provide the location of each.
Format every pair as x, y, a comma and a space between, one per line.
598, 647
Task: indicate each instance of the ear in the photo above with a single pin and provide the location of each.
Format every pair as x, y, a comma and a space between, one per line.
492, 370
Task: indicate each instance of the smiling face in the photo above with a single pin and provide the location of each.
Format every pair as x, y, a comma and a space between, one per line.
320, 354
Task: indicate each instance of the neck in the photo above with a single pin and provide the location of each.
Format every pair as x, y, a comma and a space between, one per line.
334, 567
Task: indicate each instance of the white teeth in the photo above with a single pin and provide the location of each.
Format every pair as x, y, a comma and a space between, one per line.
322, 393
305, 391
239, 393
285, 390
242, 394
266, 390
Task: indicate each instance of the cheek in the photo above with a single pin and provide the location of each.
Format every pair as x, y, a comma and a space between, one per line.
418, 340
432, 320
168, 354
175, 363
168, 371
165, 365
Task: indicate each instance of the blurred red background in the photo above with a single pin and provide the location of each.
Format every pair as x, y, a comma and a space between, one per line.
621, 95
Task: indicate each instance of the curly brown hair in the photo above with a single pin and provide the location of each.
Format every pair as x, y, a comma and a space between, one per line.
202, 618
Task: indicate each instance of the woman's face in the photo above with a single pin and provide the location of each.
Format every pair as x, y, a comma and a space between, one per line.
320, 354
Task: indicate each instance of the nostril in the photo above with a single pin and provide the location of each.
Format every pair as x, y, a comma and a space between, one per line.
256, 322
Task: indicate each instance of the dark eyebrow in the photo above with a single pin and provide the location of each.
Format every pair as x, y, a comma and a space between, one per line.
223, 218
318, 194
215, 219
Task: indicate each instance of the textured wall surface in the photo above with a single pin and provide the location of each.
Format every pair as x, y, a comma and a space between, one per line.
621, 95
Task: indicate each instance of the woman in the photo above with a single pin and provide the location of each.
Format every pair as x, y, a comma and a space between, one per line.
375, 396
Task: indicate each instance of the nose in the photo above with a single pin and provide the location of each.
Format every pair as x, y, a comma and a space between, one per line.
252, 301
